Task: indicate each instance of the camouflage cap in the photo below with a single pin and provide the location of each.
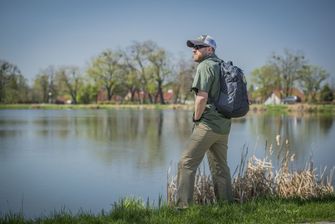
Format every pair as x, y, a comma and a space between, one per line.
203, 40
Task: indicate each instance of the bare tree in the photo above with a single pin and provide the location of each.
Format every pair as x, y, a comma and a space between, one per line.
44, 87
13, 85
133, 73
183, 81
70, 80
158, 58
287, 68
310, 79
138, 54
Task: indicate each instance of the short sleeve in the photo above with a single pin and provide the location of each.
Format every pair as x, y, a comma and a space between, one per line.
203, 78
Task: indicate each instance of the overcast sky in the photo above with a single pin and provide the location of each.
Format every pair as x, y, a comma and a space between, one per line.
38, 33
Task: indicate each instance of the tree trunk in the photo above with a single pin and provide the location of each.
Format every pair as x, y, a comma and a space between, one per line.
160, 92
150, 98
109, 93
176, 94
74, 97
132, 94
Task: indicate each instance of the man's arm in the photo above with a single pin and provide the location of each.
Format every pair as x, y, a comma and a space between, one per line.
200, 104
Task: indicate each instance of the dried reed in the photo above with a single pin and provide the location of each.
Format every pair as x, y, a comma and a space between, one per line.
203, 188
258, 178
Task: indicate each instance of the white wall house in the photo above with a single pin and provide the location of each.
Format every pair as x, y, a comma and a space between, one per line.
273, 99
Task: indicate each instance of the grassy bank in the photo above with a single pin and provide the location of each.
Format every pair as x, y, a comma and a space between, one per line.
256, 211
93, 106
300, 108
309, 108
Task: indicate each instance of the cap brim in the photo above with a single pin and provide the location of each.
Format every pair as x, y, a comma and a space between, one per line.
192, 43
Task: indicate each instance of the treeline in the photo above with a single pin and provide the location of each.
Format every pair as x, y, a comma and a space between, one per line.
13, 85
144, 73
141, 73
287, 72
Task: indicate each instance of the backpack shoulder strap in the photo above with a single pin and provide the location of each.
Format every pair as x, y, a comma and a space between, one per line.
220, 63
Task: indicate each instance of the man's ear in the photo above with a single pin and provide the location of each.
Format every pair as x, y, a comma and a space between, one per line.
210, 50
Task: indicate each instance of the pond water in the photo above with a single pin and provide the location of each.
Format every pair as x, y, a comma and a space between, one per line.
89, 159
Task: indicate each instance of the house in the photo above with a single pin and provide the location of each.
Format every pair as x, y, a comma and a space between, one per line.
274, 99
168, 96
63, 100
140, 96
277, 96
298, 93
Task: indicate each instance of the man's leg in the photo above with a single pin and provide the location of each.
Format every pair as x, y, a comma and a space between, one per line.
200, 141
217, 159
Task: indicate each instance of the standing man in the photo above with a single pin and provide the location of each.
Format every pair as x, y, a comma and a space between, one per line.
211, 129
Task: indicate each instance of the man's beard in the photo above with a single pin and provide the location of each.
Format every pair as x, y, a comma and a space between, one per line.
198, 58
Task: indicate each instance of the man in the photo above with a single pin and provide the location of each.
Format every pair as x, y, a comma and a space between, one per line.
211, 130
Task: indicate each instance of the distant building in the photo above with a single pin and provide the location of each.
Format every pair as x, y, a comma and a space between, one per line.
139, 96
168, 96
277, 96
63, 100
274, 99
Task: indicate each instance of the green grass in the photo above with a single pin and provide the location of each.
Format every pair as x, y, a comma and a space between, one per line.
285, 108
308, 108
326, 108
268, 210
277, 108
91, 106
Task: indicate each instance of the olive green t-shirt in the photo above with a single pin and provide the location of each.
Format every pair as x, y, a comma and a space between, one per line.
207, 79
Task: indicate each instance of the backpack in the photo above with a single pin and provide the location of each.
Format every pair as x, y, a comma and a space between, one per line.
233, 99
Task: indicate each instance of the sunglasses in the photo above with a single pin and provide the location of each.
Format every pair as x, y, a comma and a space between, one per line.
197, 47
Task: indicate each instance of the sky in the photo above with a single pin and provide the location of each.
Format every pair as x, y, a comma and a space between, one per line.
38, 33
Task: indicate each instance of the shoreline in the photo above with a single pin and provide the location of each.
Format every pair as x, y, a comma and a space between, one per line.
283, 108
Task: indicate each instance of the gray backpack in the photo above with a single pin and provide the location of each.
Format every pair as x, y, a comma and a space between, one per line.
233, 99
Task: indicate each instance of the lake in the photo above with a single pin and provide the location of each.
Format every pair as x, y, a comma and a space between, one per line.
89, 159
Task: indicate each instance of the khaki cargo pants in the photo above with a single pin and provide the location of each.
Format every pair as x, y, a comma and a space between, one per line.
204, 141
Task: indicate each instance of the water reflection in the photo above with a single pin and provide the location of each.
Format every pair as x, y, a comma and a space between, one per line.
326, 123
101, 155
149, 134
302, 134
124, 134
184, 126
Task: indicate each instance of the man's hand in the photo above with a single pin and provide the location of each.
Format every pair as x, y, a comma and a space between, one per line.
200, 104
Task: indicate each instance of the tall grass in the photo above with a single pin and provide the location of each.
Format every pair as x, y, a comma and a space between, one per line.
257, 178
